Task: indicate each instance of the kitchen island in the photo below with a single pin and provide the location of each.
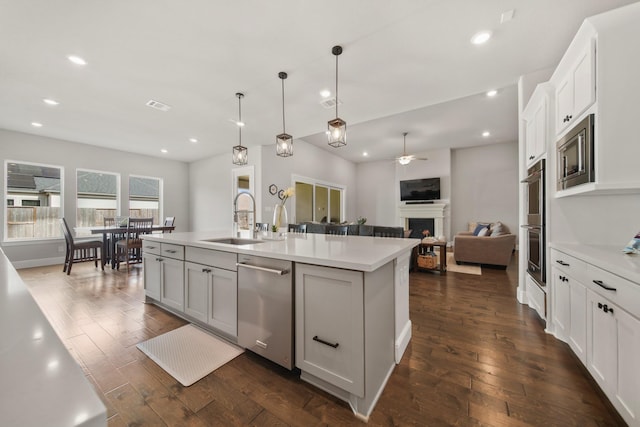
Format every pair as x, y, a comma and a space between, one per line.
349, 304
42, 385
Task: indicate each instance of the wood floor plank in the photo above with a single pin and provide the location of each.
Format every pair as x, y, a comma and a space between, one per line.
476, 358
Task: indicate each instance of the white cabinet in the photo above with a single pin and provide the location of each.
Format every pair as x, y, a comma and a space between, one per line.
211, 288
164, 273
330, 325
576, 90
535, 117
597, 313
560, 304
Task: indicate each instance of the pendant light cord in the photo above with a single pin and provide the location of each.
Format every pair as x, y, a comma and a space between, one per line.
239, 120
337, 86
283, 127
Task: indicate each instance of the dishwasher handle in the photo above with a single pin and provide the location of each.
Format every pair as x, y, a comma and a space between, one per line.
268, 270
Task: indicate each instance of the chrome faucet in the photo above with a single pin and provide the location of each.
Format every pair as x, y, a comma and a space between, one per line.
252, 225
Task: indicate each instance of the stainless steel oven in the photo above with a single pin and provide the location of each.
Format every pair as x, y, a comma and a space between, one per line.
535, 225
575, 155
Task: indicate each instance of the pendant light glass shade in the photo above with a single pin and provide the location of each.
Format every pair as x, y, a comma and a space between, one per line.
240, 153
337, 128
284, 141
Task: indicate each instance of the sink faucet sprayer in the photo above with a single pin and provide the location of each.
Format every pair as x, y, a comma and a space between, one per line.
236, 211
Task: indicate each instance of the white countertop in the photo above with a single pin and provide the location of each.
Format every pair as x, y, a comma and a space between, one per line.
362, 253
42, 385
609, 258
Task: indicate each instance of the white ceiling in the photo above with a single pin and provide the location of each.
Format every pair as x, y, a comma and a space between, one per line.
407, 65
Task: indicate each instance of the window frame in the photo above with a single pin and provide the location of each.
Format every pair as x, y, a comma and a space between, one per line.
85, 230
160, 195
5, 204
330, 186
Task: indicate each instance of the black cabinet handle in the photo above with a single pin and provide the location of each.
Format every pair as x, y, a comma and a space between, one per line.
531, 157
206, 270
159, 259
321, 341
606, 309
603, 286
599, 305
559, 261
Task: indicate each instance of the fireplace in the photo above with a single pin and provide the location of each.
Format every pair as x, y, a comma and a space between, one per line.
431, 211
418, 225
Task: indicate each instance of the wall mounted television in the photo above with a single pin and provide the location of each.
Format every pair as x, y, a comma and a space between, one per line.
420, 189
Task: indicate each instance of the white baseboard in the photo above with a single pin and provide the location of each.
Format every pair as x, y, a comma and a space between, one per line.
38, 262
402, 341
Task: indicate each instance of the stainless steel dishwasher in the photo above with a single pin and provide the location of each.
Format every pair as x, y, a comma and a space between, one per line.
265, 308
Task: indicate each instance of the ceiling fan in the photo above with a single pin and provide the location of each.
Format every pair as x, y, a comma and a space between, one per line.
406, 159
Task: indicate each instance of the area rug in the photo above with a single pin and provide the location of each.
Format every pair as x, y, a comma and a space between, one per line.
189, 353
464, 268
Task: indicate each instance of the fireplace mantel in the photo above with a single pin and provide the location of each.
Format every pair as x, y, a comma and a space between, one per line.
427, 210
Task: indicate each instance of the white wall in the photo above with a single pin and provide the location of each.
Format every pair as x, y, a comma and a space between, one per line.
485, 186
379, 189
307, 161
71, 156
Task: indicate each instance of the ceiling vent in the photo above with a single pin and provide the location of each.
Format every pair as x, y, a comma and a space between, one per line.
158, 105
330, 103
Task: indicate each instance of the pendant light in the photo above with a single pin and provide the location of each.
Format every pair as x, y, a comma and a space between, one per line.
284, 141
240, 153
337, 128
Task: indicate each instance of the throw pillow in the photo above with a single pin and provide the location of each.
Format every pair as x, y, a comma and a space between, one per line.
483, 232
481, 227
499, 229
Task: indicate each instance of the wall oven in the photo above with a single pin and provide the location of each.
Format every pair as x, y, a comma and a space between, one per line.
535, 223
575, 155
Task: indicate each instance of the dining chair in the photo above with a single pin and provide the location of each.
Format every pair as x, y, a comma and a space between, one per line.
169, 222
297, 228
130, 247
388, 232
78, 251
340, 230
262, 226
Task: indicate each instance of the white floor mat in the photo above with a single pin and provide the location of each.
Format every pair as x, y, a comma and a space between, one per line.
189, 353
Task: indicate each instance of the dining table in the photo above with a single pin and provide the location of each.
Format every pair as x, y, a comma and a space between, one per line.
109, 244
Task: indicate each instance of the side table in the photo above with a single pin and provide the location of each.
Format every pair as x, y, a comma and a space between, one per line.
426, 245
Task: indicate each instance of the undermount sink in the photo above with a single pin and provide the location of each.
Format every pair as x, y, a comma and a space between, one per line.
233, 241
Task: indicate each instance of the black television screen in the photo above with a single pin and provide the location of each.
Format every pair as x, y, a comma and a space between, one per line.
420, 189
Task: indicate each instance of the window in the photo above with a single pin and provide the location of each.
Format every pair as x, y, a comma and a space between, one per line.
33, 201
144, 198
317, 201
97, 197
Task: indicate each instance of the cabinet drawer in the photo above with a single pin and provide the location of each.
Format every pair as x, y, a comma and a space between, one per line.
626, 293
150, 247
172, 251
568, 264
219, 259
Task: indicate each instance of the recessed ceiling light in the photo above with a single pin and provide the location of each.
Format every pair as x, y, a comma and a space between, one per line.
486, 133
325, 93
49, 101
164, 150
365, 154
492, 93
481, 37
36, 124
194, 140
76, 60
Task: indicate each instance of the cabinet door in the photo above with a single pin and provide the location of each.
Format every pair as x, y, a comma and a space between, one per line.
151, 269
540, 142
196, 290
172, 290
564, 104
584, 85
223, 301
628, 362
530, 140
578, 318
601, 342
561, 306
330, 325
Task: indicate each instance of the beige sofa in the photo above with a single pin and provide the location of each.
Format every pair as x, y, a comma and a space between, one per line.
495, 248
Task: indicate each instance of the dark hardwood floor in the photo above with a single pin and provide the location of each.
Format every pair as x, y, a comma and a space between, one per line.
477, 358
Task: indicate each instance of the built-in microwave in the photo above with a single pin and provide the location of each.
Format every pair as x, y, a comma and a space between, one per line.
575, 155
